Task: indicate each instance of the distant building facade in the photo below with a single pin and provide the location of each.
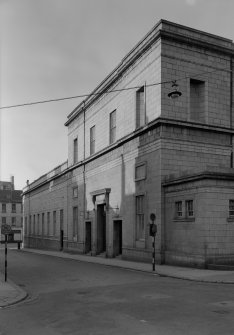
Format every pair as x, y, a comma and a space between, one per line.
133, 151
11, 204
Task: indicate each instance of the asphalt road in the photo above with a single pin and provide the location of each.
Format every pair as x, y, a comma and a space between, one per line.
71, 297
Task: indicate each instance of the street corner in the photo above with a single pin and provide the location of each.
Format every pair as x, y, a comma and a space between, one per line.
10, 293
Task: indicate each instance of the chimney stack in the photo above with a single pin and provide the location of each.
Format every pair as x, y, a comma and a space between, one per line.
12, 182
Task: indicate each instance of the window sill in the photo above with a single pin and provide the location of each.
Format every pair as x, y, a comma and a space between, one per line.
184, 220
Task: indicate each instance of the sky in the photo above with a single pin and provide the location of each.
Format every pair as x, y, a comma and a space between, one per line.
53, 49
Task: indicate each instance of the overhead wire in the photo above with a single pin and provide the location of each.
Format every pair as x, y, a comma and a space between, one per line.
107, 92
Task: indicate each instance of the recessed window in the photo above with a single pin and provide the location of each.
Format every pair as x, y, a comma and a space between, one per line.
75, 192
43, 224
48, 223
13, 221
54, 223
25, 225
140, 107
38, 224
92, 140
113, 127
140, 217
140, 172
3, 220
3, 208
13, 208
189, 208
178, 209
75, 150
197, 100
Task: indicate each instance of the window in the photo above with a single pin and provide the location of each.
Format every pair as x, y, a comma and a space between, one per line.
75, 151
13, 220
3, 208
113, 127
140, 228
140, 107
48, 223
13, 208
25, 225
75, 192
75, 221
197, 100
3, 220
43, 224
61, 219
38, 224
30, 225
54, 223
231, 208
92, 140
178, 209
140, 172
189, 208
34, 224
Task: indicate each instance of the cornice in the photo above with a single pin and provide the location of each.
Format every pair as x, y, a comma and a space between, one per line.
138, 132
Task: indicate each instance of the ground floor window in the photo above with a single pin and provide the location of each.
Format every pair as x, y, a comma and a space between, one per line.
75, 220
231, 208
140, 217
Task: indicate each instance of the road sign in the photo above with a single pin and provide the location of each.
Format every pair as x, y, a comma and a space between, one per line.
5, 229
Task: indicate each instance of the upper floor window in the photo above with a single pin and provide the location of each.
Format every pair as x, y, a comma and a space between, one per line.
197, 100
178, 209
189, 208
75, 150
75, 192
13, 220
13, 208
113, 127
92, 140
140, 107
3, 220
3, 208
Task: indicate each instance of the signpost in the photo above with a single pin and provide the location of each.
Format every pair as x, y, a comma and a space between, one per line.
153, 232
5, 230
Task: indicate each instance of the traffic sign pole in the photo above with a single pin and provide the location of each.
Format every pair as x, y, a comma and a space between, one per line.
5, 258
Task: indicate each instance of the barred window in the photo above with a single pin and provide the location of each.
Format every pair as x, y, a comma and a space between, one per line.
140, 217
178, 209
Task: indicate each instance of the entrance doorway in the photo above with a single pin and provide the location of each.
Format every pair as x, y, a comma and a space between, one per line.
101, 229
87, 236
61, 240
117, 237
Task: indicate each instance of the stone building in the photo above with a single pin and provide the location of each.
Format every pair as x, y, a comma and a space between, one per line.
11, 206
133, 151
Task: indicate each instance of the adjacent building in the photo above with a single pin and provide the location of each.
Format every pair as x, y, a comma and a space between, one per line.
11, 212
133, 151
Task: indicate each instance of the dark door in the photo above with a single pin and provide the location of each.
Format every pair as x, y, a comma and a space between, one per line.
101, 229
87, 237
117, 237
61, 240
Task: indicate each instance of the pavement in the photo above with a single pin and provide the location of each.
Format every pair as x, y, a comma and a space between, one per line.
11, 294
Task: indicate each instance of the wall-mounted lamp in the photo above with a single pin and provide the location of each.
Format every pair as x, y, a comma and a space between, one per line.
175, 93
116, 209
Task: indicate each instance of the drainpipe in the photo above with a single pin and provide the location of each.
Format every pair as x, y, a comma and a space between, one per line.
231, 103
84, 181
